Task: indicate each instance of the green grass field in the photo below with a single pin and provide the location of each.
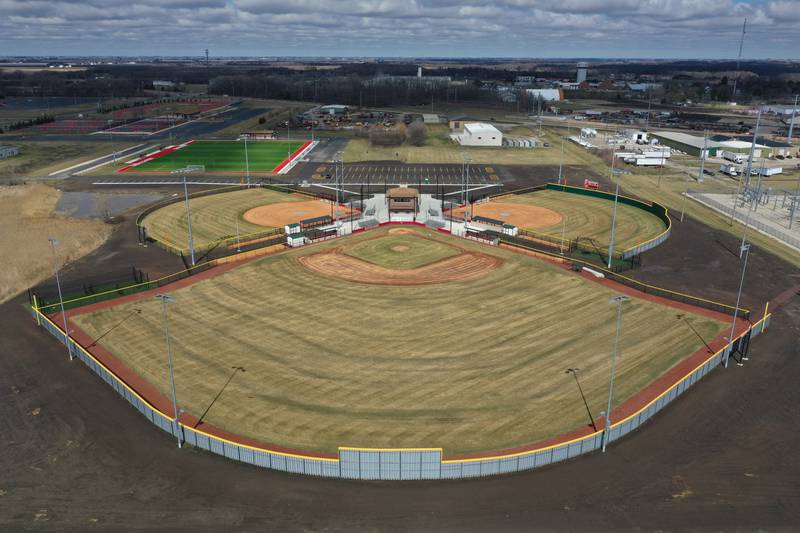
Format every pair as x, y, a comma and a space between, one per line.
214, 217
589, 217
467, 366
224, 156
400, 251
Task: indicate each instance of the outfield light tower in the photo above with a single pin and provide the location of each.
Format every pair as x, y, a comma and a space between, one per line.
614, 215
561, 162
744, 250
791, 122
246, 161
188, 218
165, 299
746, 178
617, 301
54, 243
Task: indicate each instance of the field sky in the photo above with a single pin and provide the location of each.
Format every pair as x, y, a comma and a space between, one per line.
422, 28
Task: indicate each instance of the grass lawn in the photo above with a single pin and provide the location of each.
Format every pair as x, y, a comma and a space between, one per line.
222, 156
440, 149
585, 216
467, 366
214, 217
400, 251
40, 158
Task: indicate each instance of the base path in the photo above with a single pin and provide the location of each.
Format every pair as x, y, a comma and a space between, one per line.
521, 215
335, 264
283, 213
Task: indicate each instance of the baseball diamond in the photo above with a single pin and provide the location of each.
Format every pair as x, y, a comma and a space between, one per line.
468, 364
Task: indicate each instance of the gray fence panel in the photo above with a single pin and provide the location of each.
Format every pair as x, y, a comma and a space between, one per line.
559, 453
472, 469
369, 464
431, 464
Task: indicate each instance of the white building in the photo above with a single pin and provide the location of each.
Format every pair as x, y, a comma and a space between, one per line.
8, 151
548, 95
582, 70
479, 134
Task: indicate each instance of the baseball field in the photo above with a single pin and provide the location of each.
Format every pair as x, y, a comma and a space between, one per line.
289, 352
224, 156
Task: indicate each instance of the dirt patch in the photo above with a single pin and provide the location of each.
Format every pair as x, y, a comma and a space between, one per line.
521, 215
283, 213
401, 231
400, 248
335, 264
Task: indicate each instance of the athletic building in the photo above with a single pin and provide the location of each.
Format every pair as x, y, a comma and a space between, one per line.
479, 134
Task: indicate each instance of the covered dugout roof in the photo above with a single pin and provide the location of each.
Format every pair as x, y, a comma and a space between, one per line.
402, 192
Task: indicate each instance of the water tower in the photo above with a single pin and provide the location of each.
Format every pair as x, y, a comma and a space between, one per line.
582, 68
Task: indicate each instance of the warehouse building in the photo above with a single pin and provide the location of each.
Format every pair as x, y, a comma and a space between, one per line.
690, 144
8, 151
479, 134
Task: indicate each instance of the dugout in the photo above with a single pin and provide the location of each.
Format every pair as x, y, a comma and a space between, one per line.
315, 222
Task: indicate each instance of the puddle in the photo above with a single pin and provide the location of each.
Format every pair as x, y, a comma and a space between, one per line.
98, 204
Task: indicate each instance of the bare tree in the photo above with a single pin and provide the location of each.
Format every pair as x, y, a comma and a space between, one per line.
417, 133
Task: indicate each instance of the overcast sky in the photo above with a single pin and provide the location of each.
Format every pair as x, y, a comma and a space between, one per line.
441, 28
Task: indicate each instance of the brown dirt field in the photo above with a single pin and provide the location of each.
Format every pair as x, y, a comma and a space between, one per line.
280, 214
401, 231
400, 248
336, 264
521, 215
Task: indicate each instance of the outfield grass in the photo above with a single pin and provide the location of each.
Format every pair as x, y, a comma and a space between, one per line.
221, 156
401, 251
214, 217
467, 366
588, 217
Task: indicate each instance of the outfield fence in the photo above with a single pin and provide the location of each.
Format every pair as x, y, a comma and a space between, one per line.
397, 464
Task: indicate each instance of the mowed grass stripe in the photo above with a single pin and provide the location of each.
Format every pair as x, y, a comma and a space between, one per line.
401, 252
468, 366
218, 156
591, 217
214, 217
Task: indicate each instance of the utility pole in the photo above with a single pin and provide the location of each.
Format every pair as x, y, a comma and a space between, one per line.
166, 298
791, 122
54, 243
247, 162
561, 161
739, 60
749, 168
617, 301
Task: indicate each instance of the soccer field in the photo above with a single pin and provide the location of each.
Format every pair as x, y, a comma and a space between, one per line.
468, 365
224, 156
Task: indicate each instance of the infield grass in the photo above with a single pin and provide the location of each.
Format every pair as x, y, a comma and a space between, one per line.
214, 217
584, 216
466, 366
224, 156
400, 251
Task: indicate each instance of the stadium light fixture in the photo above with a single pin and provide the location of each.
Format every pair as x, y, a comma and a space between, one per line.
188, 218
616, 301
614, 216
54, 244
165, 299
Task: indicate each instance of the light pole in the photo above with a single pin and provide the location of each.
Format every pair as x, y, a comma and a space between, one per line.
54, 244
188, 218
618, 301
561, 162
238, 242
247, 162
614, 215
745, 249
165, 299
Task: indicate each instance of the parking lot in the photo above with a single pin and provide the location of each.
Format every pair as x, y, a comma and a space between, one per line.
398, 174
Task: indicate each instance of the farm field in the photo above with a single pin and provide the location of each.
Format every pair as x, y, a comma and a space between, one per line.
463, 365
440, 149
214, 217
39, 158
224, 156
